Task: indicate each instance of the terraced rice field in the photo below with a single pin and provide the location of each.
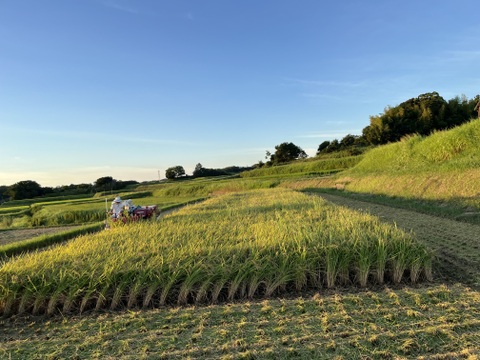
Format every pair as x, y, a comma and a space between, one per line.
436, 320
456, 244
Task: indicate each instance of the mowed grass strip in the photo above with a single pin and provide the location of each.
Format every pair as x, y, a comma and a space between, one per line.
236, 246
41, 241
436, 322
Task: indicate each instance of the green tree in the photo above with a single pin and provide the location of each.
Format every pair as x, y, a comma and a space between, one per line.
286, 152
348, 141
174, 172
322, 147
199, 170
3, 193
27, 189
334, 146
105, 183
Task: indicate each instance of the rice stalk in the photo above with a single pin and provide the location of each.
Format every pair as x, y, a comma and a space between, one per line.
332, 259
364, 262
380, 260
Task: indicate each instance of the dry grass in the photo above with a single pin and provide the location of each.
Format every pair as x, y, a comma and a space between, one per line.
437, 322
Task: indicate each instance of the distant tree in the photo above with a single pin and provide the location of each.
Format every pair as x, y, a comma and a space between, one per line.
348, 141
199, 171
3, 193
174, 172
286, 152
27, 189
105, 183
258, 165
334, 146
421, 115
322, 147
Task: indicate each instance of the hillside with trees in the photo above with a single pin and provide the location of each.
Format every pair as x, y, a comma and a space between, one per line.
421, 115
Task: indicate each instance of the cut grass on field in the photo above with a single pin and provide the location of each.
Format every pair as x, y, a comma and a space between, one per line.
237, 246
436, 322
42, 241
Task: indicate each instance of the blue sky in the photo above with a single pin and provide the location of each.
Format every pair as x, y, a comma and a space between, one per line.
128, 88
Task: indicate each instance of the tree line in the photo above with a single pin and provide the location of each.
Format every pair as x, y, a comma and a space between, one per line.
29, 189
178, 172
421, 115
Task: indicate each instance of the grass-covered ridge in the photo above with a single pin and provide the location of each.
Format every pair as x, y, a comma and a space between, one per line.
42, 241
237, 246
450, 150
438, 174
316, 166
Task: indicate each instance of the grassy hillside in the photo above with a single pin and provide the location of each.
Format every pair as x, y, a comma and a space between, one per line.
438, 174
444, 151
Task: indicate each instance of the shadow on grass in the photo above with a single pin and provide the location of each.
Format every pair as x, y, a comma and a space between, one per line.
458, 208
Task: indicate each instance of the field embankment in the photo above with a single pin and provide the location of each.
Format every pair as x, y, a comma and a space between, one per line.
13, 242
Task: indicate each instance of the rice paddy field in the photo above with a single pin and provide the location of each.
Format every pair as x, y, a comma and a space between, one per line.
349, 267
238, 246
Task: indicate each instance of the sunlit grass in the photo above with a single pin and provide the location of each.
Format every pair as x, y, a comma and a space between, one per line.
237, 246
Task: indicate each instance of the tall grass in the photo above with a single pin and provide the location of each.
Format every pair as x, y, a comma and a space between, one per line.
243, 245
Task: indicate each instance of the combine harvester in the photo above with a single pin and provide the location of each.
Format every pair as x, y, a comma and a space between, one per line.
126, 211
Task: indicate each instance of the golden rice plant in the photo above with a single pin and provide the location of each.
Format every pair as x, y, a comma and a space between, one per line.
251, 244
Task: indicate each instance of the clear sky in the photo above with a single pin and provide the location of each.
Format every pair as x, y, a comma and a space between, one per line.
128, 88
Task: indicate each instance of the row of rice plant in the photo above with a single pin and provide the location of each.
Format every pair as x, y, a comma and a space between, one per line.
236, 246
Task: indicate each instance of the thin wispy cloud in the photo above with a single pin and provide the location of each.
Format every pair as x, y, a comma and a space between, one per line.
322, 96
120, 6
79, 135
324, 83
329, 135
462, 55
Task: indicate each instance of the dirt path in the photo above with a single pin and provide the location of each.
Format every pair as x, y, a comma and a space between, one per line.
10, 236
456, 244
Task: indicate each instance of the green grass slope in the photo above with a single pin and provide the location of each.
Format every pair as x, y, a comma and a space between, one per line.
455, 150
315, 166
437, 174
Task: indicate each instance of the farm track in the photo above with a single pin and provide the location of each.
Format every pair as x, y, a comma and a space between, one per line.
14, 235
455, 244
